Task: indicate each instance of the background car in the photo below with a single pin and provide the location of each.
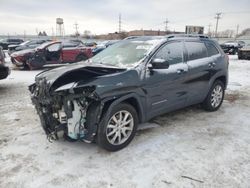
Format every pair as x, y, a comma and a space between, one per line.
232, 47
50, 53
72, 43
6, 42
101, 46
4, 70
26, 45
244, 53
90, 44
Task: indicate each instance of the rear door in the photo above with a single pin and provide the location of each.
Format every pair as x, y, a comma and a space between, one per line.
200, 70
166, 88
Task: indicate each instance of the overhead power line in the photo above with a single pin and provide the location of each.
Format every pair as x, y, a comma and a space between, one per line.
166, 25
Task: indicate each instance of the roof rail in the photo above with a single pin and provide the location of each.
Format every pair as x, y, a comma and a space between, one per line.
131, 37
187, 35
143, 36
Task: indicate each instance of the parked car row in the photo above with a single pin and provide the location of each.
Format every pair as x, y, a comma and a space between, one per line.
25, 45
4, 43
54, 52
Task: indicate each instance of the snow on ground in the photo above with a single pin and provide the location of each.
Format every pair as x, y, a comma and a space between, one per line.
190, 148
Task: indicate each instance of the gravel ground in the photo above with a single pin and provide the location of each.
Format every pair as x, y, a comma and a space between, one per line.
190, 148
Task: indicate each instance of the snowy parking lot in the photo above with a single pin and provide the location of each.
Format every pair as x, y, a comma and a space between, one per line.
189, 148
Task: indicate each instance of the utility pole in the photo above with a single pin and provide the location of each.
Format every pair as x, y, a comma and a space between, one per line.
217, 17
237, 31
120, 23
209, 29
76, 28
24, 34
52, 33
166, 25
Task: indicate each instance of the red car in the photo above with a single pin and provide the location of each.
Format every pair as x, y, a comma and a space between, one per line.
50, 53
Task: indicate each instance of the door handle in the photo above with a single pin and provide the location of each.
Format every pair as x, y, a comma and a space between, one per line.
180, 71
211, 65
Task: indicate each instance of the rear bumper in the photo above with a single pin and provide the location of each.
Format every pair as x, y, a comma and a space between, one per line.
4, 72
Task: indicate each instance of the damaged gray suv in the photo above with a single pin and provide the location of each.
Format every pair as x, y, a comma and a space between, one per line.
105, 98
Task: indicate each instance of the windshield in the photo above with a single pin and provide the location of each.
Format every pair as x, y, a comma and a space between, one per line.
126, 53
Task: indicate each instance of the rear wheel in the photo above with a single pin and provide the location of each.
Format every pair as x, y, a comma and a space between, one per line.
215, 96
118, 128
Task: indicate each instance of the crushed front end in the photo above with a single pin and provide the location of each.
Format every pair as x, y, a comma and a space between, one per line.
75, 112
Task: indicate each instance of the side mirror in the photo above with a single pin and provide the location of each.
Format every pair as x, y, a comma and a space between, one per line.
159, 64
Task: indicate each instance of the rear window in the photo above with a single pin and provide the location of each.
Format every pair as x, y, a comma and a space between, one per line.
196, 50
211, 49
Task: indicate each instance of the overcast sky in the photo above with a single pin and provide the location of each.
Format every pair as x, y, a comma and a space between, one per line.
101, 16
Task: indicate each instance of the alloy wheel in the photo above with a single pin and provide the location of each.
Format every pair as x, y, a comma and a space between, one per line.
216, 96
120, 127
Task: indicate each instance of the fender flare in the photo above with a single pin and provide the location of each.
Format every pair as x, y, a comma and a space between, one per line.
216, 76
139, 108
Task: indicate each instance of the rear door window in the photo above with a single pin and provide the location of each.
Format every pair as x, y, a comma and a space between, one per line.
196, 50
211, 49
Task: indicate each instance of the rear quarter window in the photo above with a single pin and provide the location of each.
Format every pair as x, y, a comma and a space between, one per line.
196, 50
211, 49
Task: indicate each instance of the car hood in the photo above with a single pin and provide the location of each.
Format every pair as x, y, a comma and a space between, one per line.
23, 52
13, 45
83, 71
103, 80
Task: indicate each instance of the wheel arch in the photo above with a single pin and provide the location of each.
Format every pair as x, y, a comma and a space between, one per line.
222, 79
222, 76
131, 99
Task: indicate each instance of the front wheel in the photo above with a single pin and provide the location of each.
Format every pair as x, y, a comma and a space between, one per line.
118, 128
215, 96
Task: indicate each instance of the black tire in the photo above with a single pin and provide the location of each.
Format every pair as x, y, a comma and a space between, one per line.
102, 139
208, 103
81, 57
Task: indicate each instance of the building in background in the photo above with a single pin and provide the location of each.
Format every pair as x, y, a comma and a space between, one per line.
146, 33
194, 29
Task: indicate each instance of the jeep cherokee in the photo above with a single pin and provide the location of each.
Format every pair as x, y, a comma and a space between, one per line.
105, 98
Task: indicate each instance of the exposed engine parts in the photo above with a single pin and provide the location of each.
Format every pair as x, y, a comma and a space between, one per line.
66, 112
